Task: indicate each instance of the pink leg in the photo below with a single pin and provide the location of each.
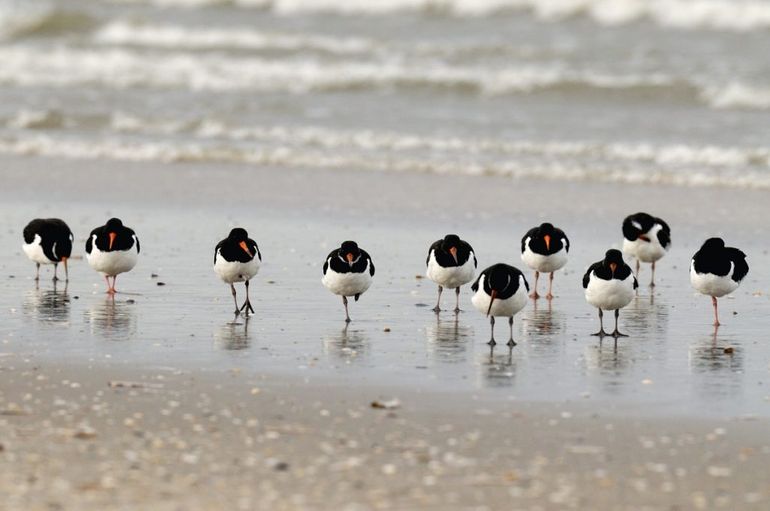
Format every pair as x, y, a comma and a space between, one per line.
534, 294
716, 311
550, 286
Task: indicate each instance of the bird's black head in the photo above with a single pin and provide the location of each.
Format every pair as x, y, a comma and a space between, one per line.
613, 259
238, 234
546, 228
449, 245
713, 244
498, 279
349, 251
113, 224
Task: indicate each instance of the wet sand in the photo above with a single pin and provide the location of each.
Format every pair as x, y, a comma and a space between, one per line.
274, 413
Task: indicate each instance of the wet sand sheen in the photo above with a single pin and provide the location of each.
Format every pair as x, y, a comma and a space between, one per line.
671, 392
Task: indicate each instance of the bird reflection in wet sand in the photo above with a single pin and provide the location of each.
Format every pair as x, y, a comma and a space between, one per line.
348, 345
49, 305
448, 339
610, 360
498, 368
719, 359
113, 320
234, 335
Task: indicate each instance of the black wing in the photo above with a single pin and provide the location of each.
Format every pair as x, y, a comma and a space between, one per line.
741, 267
254, 247
630, 232
561, 234
216, 249
526, 284
587, 276
530, 234
475, 285
333, 253
636, 283
664, 235
89, 241
132, 233
434, 246
371, 263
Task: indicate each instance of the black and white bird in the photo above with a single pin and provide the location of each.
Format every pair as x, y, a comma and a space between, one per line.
500, 290
48, 241
544, 249
646, 238
451, 264
609, 285
112, 249
237, 259
717, 270
348, 271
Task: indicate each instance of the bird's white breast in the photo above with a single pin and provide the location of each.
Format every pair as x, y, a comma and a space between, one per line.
347, 284
610, 294
544, 263
713, 285
114, 262
453, 276
507, 307
646, 251
235, 271
35, 252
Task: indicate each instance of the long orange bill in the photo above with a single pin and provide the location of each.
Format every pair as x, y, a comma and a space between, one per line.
613, 267
491, 300
453, 251
349, 257
245, 247
112, 236
547, 240
66, 270
644, 238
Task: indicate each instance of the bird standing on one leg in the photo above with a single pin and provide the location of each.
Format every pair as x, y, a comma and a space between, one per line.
451, 263
348, 271
500, 290
609, 285
237, 259
646, 238
544, 249
112, 249
717, 270
48, 241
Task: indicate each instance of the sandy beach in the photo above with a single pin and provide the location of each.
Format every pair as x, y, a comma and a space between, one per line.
160, 399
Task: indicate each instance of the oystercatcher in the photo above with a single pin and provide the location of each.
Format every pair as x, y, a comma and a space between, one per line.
500, 290
112, 249
646, 238
451, 263
48, 241
544, 249
348, 271
717, 270
609, 285
236, 259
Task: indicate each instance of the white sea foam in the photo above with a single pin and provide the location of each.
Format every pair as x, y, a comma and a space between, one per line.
131, 138
186, 37
737, 15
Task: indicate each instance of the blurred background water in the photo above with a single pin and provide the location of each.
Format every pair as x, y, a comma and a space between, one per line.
659, 91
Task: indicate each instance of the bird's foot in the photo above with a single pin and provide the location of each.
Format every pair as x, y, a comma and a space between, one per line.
237, 312
534, 295
246, 307
457, 309
55, 278
347, 320
717, 323
600, 333
549, 296
436, 309
652, 284
492, 342
111, 291
511, 343
617, 334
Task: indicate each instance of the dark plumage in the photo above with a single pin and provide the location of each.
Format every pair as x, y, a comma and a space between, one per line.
232, 250
537, 242
122, 240
603, 270
646, 221
55, 243
349, 251
717, 259
502, 278
442, 252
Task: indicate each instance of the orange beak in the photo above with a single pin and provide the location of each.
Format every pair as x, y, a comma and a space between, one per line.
644, 238
491, 300
245, 247
64, 260
547, 239
112, 236
453, 251
349, 257
613, 267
